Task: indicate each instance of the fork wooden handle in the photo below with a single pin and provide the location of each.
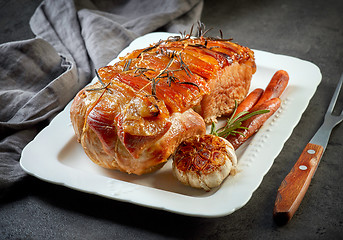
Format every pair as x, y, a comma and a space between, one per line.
293, 188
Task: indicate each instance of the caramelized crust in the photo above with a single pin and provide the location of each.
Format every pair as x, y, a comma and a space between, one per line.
117, 132
226, 67
204, 161
142, 107
204, 154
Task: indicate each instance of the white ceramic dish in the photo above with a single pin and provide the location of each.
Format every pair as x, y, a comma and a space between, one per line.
55, 156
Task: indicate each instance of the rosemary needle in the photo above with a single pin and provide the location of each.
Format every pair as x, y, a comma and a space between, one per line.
234, 123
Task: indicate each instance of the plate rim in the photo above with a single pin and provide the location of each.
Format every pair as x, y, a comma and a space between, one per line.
126, 191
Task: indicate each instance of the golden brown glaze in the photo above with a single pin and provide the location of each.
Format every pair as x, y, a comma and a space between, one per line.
205, 153
119, 129
204, 161
135, 117
226, 67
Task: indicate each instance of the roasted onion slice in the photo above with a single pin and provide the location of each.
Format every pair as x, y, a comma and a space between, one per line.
204, 161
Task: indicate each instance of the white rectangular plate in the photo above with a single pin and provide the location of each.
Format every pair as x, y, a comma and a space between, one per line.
55, 156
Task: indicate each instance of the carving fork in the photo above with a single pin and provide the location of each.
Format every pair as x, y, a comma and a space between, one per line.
294, 186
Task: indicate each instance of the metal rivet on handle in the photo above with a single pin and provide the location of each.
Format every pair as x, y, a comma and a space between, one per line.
302, 167
311, 151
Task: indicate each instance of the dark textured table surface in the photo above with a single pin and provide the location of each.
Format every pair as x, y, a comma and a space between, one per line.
310, 30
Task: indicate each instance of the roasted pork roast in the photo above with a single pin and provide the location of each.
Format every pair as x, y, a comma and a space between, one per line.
152, 99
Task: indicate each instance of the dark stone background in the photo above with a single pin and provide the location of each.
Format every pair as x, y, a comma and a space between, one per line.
310, 30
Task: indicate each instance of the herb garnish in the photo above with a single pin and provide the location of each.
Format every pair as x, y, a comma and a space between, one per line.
104, 86
166, 72
234, 122
127, 65
150, 48
139, 71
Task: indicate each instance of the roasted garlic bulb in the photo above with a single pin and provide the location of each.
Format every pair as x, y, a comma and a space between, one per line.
204, 161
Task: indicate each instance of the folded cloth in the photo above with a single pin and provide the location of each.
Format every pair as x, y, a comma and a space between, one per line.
34, 79
40, 76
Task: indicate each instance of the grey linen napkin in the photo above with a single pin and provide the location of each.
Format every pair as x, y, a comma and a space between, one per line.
38, 77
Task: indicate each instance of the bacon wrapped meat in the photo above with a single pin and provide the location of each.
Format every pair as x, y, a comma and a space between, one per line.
146, 104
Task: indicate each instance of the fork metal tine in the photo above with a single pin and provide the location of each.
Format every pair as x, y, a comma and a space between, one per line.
335, 96
330, 121
295, 184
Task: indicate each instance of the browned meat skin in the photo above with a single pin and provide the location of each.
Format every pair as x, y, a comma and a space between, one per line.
140, 148
143, 108
151, 158
226, 66
170, 88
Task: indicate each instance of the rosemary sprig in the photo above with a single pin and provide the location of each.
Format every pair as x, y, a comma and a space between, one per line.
101, 88
185, 35
234, 123
190, 83
155, 79
99, 78
184, 66
169, 74
139, 71
104, 86
127, 65
150, 48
